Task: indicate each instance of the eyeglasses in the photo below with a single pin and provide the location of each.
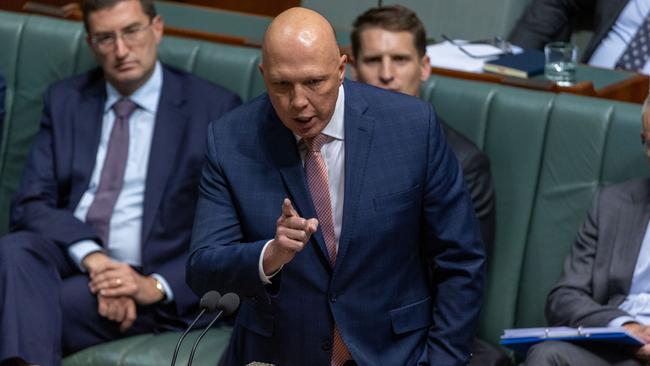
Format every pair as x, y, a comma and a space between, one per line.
476, 49
130, 36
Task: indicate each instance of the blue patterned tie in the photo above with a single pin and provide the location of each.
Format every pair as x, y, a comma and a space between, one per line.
636, 54
112, 178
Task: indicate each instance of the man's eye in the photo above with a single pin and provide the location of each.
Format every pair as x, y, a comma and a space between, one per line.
314, 82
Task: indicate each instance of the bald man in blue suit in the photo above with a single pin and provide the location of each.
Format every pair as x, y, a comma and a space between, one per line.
343, 280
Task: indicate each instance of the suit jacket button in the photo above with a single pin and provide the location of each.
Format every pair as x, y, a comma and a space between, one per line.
332, 297
326, 345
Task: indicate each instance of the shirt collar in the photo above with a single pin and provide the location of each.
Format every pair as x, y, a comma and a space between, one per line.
146, 96
335, 127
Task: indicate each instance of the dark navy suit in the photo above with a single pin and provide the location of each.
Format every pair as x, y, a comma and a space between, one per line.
43, 296
406, 212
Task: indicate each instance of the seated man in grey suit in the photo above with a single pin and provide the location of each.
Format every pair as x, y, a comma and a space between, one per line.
606, 277
388, 48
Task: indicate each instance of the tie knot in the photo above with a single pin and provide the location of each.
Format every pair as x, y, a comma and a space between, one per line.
315, 143
124, 107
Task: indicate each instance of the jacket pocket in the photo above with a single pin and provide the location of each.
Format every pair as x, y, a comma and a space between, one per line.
412, 316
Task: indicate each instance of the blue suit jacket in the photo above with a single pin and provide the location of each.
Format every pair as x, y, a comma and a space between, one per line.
406, 212
63, 157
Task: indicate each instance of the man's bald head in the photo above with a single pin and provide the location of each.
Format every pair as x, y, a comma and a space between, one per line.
297, 31
302, 69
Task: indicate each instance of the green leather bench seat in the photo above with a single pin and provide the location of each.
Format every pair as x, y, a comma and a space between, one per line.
154, 350
212, 20
548, 153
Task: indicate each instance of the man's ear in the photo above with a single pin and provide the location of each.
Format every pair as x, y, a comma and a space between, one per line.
425, 68
353, 70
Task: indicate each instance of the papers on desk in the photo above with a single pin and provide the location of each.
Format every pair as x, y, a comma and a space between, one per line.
522, 339
449, 56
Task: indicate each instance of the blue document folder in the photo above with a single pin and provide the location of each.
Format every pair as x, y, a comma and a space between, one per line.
521, 339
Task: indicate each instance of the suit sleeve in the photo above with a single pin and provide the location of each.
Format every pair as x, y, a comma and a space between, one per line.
38, 206
571, 302
173, 270
219, 260
545, 21
479, 183
455, 253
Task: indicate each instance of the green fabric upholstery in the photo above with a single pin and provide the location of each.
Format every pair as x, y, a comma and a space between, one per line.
548, 153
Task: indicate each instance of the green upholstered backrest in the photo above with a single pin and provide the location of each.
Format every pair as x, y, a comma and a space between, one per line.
548, 153
213, 20
40, 50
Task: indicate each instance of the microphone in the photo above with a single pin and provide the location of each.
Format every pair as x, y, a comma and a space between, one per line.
209, 303
227, 304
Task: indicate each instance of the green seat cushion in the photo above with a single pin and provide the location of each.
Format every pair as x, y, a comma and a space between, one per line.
154, 350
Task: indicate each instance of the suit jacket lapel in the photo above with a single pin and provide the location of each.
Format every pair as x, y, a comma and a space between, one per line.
632, 231
280, 145
359, 129
170, 122
87, 132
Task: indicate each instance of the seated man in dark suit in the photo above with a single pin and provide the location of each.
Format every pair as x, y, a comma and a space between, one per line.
388, 48
606, 277
621, 28
102, 218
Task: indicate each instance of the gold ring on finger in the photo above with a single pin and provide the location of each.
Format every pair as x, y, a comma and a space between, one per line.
118, 282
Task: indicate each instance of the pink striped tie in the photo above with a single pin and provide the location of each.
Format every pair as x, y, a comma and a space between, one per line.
318, 183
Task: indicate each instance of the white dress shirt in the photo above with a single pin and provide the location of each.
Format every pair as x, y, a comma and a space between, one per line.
637, 302
614, 44
125, 227
333, 153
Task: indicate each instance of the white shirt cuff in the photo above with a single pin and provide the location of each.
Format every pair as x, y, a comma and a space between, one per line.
169, 294
618, 322
79, 250
266, 279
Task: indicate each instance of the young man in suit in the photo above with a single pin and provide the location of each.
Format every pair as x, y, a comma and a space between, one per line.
619, 28
325, 205
606, 277
102, 218
388, 51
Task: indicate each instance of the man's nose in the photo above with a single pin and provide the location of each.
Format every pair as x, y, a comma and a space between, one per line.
121, 50
298, 98
386, 74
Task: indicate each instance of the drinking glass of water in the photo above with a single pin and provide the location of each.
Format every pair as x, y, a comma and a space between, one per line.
560, 64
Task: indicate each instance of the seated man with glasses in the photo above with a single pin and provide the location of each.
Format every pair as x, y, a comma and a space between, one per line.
102, 219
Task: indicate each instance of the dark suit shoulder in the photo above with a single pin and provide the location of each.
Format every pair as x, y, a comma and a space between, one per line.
466, 151
635, 191
197, 87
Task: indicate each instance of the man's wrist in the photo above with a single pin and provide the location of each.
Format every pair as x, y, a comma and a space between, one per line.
160, 288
